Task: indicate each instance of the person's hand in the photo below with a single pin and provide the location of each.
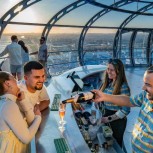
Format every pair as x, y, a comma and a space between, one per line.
37, 110
98, 95
20, 96
105, 120
109, 118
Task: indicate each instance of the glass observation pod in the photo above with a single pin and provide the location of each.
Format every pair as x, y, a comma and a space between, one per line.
81, 35
105, 29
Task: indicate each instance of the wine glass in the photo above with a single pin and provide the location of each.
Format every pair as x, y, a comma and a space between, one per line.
62, 108
93, 118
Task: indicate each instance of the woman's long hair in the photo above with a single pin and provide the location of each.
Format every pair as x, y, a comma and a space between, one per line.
20, 42
121, 78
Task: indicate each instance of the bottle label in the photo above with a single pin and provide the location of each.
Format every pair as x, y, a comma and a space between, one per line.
88, 95
75, 98
84, 121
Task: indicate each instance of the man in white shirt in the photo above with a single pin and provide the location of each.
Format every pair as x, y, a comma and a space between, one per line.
42, 53
14, 52
33, 85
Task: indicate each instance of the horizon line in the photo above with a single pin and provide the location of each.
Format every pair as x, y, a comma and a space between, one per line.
52, 33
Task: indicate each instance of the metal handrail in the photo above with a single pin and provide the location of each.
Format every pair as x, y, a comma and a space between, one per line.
4, 57
67, 63
63, 63
63, 51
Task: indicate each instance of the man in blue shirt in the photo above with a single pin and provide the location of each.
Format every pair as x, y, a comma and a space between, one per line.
142, 140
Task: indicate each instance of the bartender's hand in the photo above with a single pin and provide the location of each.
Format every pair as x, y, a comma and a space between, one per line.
98, 95
105, 120
109, 118
37, 110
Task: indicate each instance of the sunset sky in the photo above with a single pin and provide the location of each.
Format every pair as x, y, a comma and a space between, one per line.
42, 12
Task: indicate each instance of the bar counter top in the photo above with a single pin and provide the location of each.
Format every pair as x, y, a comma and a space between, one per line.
48, 130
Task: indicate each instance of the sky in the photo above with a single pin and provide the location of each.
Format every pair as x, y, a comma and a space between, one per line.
44, 10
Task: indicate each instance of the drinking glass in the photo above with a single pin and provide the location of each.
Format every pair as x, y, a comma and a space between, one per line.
93, 118
62, 108
99, 114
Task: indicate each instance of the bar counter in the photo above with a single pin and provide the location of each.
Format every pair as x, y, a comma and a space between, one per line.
48, 130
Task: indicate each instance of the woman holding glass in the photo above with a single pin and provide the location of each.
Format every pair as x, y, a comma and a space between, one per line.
15, 135
115, 83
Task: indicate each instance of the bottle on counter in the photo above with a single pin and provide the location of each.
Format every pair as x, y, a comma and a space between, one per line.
85, 114
77, 109
77, 112
80, 98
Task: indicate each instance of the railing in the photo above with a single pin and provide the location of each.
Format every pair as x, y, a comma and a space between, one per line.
61, 61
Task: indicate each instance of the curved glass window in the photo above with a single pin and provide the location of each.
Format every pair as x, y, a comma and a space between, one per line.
7, 5
140, 48
124, 53
80, 15
111, 19
98, 47
63, 33
41, 12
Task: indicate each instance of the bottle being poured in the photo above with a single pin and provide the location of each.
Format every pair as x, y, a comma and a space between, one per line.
80, 98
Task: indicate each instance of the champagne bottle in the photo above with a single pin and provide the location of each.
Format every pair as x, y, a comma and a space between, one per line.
83, 114
86, 115
77, 112
80, 98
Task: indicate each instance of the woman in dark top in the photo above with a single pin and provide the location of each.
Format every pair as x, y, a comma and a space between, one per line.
24, 51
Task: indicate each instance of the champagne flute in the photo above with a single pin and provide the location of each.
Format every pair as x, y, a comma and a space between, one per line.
62, 108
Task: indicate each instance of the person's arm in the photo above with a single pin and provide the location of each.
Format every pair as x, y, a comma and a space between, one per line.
120, 100
26, 107
4, 52
109, 118
123, 111
44, 100
18, 125
44, 104
33, 53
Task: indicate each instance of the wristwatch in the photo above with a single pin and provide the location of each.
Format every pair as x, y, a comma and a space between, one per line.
109, 118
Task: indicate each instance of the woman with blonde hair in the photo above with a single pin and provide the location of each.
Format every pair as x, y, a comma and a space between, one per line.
15, 135
115, 83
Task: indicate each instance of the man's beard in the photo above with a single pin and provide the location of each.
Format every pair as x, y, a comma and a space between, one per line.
149, 95
38, 87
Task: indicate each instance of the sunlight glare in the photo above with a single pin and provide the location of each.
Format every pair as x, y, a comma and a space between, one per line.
28, 15
18, 9
13, 2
